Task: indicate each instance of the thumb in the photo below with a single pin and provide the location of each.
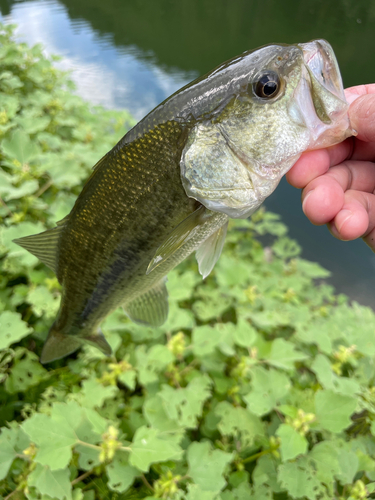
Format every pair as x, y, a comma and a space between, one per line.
362, 117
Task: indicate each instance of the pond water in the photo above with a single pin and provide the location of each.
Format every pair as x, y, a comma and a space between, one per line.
133, 54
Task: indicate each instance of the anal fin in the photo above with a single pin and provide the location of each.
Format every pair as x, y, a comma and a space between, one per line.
209, 251
150, 308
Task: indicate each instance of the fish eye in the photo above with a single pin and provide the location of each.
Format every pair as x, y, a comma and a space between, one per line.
267, 86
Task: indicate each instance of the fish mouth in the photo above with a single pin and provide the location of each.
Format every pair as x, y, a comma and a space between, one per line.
319, 100
322, 65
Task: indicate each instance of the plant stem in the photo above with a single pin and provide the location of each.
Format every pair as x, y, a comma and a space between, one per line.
82, 477
89, 445
6, 206
125, 448
11, 494
96, 447
47, 185
146, 483
257, 455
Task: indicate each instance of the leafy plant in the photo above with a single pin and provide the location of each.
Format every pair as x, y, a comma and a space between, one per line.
259, 386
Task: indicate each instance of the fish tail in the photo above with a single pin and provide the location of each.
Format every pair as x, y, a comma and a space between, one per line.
98, 340
59, 345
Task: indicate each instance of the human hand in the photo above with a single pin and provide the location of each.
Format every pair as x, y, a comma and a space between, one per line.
339, 182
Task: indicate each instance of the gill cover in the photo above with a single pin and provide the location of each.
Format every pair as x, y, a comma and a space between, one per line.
288, 100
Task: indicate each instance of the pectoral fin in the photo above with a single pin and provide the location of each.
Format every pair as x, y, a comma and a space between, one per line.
43, 245
180, 235
151, 308
209, 252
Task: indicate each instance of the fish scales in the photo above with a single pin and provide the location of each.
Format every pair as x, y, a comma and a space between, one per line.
213, 150
106, 243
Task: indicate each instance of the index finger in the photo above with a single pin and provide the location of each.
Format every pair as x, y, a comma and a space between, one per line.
312, 164
352, 93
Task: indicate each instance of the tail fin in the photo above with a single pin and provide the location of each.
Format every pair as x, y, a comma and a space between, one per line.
59, 345
98, 340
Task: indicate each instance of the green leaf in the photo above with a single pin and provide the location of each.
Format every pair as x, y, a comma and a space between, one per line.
33, 124
206, 339
348, 461
265, 472
128, 378
8, 438
9, 192
286, 248
12, 329
121, 475
150, 446
268, 387
156, 415
94, 394
312, 269
238, 423
88, 457
185, 405
329, 380
195, 492
54, 438
151, 363
206, 466
57, 433
231, 271
326, 458
55, 484
20, 147
300, 480
292, 443
284, 354
244, 334
43, 301
25, 373
319, 333
181, 286
23, 229
333, 410
178, 319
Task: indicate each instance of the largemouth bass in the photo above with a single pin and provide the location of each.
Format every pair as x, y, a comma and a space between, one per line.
213, 150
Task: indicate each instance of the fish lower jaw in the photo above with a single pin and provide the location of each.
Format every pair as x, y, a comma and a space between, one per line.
332, 134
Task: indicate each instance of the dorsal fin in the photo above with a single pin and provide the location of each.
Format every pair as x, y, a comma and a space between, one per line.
63, 221
209, 252
100, 162
43, 245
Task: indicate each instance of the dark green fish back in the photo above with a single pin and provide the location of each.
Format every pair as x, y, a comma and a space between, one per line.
131, 203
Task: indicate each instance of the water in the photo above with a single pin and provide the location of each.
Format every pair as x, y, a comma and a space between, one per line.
133, 54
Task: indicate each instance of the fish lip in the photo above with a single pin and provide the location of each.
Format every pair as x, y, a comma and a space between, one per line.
321, 63
320, 72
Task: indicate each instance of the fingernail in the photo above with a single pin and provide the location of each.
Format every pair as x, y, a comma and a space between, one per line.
343, 216
305, 199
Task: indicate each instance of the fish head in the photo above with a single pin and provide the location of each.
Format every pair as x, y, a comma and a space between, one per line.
271, 105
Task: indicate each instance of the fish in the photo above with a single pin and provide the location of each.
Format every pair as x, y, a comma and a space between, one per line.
214, 150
